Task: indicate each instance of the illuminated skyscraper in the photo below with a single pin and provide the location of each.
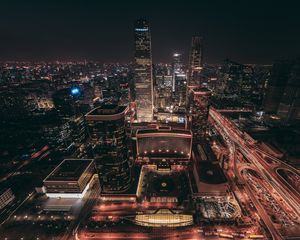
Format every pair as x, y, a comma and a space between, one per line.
143, 71
195, 61
179, 81
107, 131
176, 68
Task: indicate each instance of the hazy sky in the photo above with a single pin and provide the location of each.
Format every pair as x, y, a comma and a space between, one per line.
245, 31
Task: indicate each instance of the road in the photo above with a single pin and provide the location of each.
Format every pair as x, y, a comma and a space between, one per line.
248, 147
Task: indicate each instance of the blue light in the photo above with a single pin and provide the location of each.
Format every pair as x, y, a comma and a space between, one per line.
75, 91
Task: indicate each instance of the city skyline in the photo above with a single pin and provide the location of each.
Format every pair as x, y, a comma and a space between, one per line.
185, 149
249, 32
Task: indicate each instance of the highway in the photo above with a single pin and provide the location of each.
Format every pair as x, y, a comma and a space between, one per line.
43, 152
247, 146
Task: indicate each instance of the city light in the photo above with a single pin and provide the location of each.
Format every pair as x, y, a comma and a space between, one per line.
141, 29
145, 129
75, 91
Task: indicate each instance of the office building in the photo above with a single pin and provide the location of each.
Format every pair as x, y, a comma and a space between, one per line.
176, 68
179, 96
195, 61
179, 81
279, 75
289, 107
143, 71
198, 116
107, 132
70, 179
283, 91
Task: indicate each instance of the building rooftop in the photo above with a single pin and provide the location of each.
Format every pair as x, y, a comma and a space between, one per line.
201, 90
210, 172
164, 130
107, 112
108, 109
69, 170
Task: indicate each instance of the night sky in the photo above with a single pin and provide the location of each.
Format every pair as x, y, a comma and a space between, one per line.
244, 31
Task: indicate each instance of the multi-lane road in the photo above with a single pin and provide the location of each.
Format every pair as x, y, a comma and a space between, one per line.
256, 156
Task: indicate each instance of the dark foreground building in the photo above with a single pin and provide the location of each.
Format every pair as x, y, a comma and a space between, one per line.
106, 128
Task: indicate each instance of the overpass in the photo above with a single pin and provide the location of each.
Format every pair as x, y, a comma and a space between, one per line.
248, 147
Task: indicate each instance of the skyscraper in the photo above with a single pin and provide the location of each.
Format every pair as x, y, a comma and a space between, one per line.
199, 112
289, 107
106, 128
176, 68
179, 81
195, 61
143, 71
279, 76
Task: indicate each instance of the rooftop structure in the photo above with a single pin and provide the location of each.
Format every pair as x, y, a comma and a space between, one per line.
164, 218
107, 113
163, 184
210, 179
69, 170
70, 179
164, 143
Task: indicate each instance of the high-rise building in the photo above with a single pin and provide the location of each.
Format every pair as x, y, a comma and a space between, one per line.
195, 61
236, 79
176, 68
66, 101
179, 96
279, 75
289, 106
198, 116
143, 71
107, 131
179, 81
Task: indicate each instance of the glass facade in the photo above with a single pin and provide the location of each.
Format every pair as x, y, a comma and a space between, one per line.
108, 139
199, 111
143, 71
195, 61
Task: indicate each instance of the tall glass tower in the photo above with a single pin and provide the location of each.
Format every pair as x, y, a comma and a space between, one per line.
195, 61
143, 71
176, 68
107, 131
